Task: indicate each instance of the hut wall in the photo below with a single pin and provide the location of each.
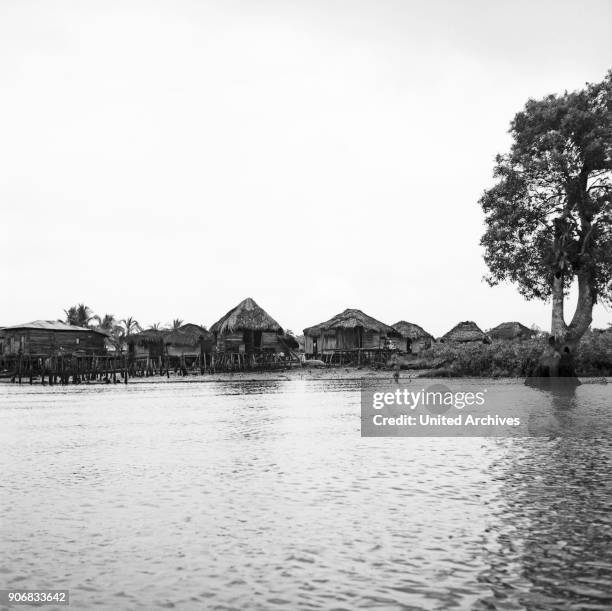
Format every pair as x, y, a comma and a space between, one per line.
308, 344
141, 351
235, 342
269, 341
182, 350
355, 338
46, 341
189, 349
350, 330
148, 350
231, 342
13, 341
328, 341
346, 339
343, 339
373, 340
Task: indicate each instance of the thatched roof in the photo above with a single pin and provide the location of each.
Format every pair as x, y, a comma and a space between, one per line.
246, 316
510, 330
147, 337
409, 330
188, 335
53, 325
350, 319
466, 331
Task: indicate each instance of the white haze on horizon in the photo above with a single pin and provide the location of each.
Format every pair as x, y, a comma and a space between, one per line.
169, 159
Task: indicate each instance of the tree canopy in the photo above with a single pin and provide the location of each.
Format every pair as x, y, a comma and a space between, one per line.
549, 215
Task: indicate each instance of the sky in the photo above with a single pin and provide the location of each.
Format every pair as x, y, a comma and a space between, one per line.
168, 159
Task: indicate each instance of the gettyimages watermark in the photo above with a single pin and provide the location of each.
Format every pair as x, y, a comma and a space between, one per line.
439, 410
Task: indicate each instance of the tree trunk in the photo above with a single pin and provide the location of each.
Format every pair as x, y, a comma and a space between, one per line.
558, 328
557, 360
583, 316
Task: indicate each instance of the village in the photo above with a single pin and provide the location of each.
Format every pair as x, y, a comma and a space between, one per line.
246, 338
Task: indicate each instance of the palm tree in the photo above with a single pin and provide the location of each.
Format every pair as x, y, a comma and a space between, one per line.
177, 323
84, 315
80, 315
107, 322
71, 315
114, 330
130, 325
156, 326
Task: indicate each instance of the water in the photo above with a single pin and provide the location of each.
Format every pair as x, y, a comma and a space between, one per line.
263, 495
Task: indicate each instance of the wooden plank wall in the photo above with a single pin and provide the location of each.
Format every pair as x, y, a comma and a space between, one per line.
269, 340
44, 341
232, 342
345, 339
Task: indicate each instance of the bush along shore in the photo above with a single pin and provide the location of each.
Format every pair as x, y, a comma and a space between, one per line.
509, 359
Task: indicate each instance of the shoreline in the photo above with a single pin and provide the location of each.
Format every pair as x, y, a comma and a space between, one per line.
306, 374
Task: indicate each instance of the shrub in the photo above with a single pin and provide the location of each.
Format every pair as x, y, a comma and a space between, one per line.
594, 355
519, 358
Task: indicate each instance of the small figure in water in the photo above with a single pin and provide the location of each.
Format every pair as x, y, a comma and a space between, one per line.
396, 371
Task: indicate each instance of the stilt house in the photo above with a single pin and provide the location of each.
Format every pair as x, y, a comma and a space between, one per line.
347, 331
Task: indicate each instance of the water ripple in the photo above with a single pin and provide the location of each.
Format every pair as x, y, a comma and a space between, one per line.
251, 495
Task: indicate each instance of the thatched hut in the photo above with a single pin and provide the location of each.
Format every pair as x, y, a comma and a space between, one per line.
248, 329
349, 330
511, 331
414, 338
189, 340
466, 331
47, 337
148, 343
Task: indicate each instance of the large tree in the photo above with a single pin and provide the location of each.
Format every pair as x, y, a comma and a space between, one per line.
549, 215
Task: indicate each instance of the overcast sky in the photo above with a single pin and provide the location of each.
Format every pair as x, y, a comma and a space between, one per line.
169, 159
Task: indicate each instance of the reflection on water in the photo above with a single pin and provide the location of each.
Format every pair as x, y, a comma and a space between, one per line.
262, 495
